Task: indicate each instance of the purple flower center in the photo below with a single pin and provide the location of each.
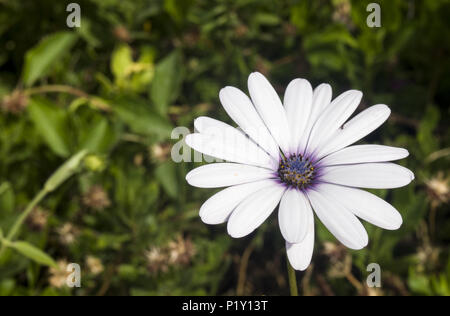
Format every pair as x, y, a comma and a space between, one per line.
296, 171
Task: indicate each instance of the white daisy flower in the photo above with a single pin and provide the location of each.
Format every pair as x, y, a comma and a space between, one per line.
297, 156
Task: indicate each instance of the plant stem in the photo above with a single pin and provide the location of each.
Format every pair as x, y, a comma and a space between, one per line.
351, 278
18, 223
292, 279
61, 174
69, 90
4, 187
243, 270
57, 88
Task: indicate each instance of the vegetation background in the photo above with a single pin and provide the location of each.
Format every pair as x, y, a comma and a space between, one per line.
107, 95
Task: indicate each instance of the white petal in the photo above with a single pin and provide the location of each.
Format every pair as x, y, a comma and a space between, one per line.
321, 99
339, 221
254, 210
231, 146
363, 154
241, 110
293, 215
216, 175
381, 175
365, 205
218, 207
333, 117
300, 254
358, 127
297, 102
269, 107
209, 126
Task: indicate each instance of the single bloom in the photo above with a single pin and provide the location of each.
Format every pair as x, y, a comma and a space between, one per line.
297, 155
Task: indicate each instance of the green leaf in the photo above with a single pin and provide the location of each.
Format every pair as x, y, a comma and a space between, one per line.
121, 60
166, 175
5, 186
39, 59
266, 18
51, 122
33, 253
329, 36
425, 136
66, 170
87, 33
7, 198
166, 82
299, 15
177, 9
137, 115
419, 283
7, 287
324, 58
98, 138
127, 271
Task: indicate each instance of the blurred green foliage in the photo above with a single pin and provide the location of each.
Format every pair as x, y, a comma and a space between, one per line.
134, 70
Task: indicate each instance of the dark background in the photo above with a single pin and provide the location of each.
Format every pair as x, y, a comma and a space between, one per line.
118, 85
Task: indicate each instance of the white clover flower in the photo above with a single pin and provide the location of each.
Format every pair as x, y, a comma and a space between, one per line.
297, 156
